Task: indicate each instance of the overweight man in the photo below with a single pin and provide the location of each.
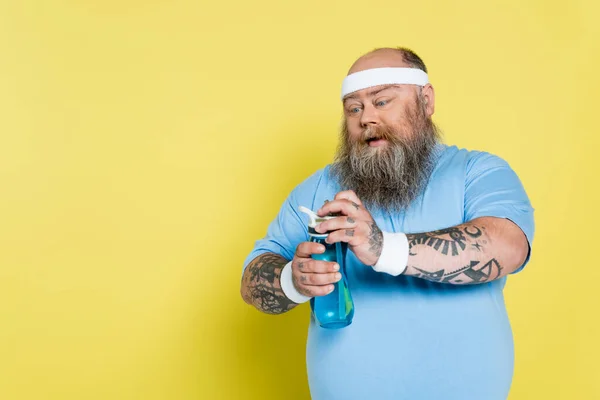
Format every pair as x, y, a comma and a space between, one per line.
433, 232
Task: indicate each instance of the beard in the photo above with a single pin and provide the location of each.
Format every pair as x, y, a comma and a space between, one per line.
391, 176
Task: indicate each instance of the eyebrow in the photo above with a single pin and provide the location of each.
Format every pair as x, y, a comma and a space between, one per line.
370, 93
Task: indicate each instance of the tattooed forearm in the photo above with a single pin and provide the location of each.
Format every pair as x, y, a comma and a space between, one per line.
475, 272
261, 286
476, 252
375, 240
447, 241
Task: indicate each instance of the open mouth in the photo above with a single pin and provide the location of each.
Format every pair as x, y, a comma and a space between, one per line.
375, 141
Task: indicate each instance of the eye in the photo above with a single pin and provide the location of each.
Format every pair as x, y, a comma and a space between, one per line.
381, 103
354, 110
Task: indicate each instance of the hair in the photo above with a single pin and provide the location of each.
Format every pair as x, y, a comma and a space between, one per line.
409, 57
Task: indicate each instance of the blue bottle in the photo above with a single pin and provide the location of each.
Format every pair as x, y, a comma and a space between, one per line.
336, 309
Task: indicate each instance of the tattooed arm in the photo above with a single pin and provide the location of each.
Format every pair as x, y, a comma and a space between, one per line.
479, 251
261, 282
261, 286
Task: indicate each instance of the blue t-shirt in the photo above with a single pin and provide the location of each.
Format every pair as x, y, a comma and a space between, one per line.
412, 338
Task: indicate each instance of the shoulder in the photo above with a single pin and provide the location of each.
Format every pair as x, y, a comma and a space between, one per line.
313, 181
474, 162
318, 184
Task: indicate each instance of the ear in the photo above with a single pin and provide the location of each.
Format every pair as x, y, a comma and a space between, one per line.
429, 99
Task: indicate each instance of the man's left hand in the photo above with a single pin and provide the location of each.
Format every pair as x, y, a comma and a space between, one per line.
355, 226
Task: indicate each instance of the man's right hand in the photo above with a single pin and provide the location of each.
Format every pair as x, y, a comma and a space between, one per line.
313, 278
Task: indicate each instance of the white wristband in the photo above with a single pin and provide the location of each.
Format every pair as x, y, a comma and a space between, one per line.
287, 285
394, 254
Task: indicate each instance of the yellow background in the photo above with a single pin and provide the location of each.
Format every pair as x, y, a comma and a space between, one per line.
145, 145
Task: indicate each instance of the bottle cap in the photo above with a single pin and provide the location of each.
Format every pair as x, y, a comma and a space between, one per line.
314, 220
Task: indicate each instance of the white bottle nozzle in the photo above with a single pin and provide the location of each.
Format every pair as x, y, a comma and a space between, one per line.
311, 215
314, 220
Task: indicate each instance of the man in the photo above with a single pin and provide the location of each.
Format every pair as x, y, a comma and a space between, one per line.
433, 232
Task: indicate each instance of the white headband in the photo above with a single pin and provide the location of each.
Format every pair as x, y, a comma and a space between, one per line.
383, 76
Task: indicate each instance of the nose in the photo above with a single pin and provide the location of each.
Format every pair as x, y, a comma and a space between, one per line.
369, 116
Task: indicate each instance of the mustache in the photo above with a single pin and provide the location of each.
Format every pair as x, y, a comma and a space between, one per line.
380, 133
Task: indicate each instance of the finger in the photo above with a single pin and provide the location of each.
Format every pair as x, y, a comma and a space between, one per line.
334, 224
351, 236
308, 265
306, 249
348, 195
318, 279
315, 291
346, 207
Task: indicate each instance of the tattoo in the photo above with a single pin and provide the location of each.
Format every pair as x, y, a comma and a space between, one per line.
262, 286
431, 276
355, 205
301, 266
473, 235
375, 239
456, 243
350, 220
349, 232
303, 278
477, 246
469, 274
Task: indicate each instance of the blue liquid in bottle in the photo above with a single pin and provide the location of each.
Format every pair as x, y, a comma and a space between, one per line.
336, 309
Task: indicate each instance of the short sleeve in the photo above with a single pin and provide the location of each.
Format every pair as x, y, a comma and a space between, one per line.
493, 189
288, 229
